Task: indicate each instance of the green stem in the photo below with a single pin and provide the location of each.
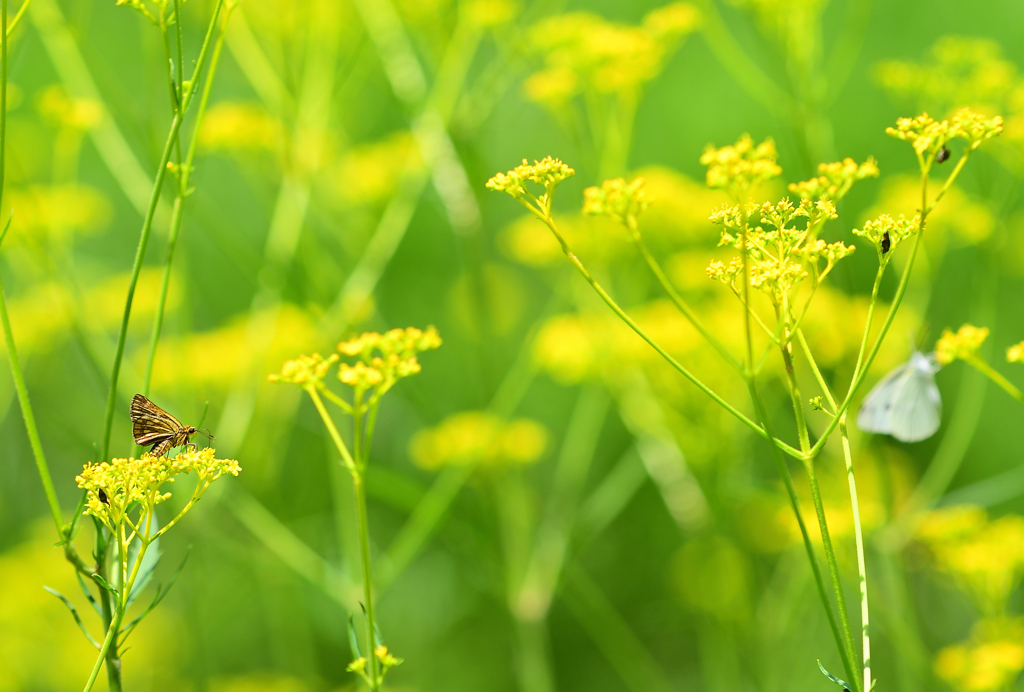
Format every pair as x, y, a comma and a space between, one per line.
346, 456
364, 550
794, 501
996, 377
858, 534
546, 218
147, 227
865, 363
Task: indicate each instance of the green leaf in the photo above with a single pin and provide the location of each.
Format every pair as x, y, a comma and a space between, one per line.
842, 683
160, 593
74, 614
88, 595
353, 639
103, 582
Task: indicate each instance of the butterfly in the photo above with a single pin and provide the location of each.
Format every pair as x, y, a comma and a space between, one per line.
152, 425
906, 403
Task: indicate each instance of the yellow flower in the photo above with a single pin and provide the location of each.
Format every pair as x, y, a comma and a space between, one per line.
963, 345
928, 135
476, 437
548, 173
238, 127
1015, 354
370, 173
886, 233
115, 487
307, 371
77, 113
618, 199
741, 165
835, 179
991, 660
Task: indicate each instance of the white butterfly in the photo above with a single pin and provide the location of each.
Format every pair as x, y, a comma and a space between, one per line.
906, 403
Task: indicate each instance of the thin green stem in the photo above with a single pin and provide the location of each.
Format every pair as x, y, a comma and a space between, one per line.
364, 550
546, 218
987, 370
794, 501
862, 573
826, 539
147, 227
346, 456
865, 363
680, 303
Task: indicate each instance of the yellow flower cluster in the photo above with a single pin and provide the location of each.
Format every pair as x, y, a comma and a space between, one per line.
114, 487
618, 199
306, 371
385, 358
886, 233
963, 345
1015, 354
739, 166
985, 556
780, 254
990, 661
548, 173
928, 135
583, 52
835, 179
477, 437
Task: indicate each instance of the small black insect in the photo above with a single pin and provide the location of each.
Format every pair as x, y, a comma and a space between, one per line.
886, 243
103, 497
942, 155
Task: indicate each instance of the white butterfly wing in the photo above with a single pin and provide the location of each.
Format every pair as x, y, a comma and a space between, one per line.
876, 411
917, 409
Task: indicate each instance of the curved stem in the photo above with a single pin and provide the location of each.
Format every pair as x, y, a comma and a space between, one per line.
680, 303
546, 218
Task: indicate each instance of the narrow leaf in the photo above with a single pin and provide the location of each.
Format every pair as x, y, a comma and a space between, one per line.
353, 639
88, 595
842, 683
103, 582
74, 614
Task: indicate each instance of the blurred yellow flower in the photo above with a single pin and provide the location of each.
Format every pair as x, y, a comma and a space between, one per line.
477, 437
713, 576
1015, 354
215, 358
991, 661
963, 345
238, 127
617, 199
737, 167
985, 556
370, 173
54, 213
959, 70
54, 104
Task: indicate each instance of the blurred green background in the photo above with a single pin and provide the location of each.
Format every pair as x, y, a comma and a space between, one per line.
551, 508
